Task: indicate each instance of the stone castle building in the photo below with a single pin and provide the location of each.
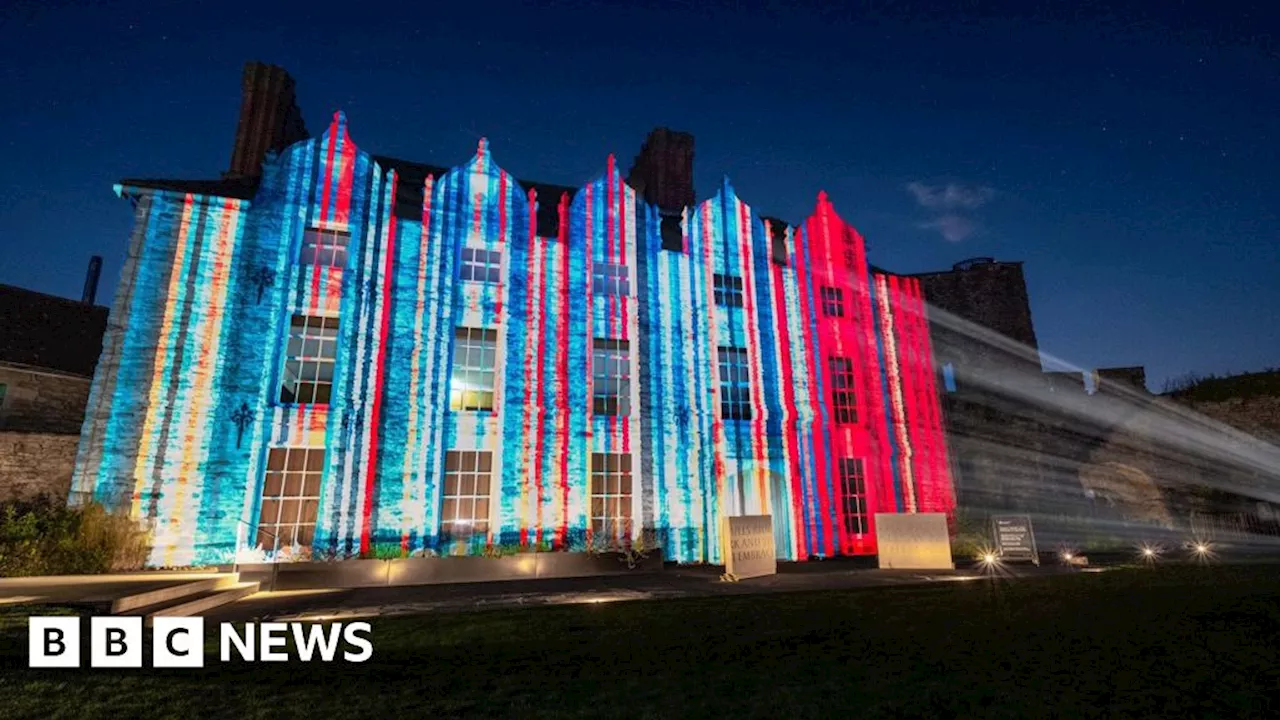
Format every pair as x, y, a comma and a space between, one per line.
333, 353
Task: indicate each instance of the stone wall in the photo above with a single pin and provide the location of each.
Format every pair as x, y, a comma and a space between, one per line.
991, 294
42, 401
1258, 416
33, 464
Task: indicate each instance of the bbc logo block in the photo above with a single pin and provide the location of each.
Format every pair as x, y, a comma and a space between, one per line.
115, 642
179, 642
53, 642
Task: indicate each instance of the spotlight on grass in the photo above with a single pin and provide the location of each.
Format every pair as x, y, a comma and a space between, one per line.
1149, 553
988, 559
1202, 551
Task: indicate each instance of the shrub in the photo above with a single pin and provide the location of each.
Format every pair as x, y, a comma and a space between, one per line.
972, 535
45, 537
618, 541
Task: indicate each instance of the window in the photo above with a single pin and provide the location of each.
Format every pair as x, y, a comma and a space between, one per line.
466, 493
290, 497
610, 279
735, 384
728, 290
484, 266
832, 302
474, 356
308, 364
327, 248
611, 377
3, 387
611, 494
853, 495
844, 396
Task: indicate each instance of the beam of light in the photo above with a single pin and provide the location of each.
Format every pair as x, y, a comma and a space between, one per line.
1103, 470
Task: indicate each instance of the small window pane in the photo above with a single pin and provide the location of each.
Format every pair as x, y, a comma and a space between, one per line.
728, 290
465, 505
611, 485
309, 361
844, 398
478, 265
610, 279
832, 302
735, 387
472, 381
327, 248
853, 491
290, 497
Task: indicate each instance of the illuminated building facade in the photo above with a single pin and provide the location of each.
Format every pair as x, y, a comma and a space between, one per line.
337, 363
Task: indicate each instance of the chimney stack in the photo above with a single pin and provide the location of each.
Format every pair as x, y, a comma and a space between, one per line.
663, 171
1133, 377
91, 280
270, 119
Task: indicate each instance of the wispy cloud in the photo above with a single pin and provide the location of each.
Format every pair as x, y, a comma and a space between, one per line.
952, 206
953, 228
951, 196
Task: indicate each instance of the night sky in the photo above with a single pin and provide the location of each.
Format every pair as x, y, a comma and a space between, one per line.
1130, 157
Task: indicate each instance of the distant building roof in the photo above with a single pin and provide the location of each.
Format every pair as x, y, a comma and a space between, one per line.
241, 188
50, 332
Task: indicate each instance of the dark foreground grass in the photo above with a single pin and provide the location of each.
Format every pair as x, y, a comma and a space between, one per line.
1171, 642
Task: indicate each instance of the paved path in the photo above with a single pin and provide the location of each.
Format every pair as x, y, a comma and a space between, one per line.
670, 583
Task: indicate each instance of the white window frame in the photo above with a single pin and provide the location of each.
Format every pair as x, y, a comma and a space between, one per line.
311, 346
325, 247
612, 496
474, 370
611, 363
610, 279
480, 265
468, 485
290, 495
734, 373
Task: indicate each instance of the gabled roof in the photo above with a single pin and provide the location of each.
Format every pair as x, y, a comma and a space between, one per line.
50, 332
241, 188
411, 176
408, 205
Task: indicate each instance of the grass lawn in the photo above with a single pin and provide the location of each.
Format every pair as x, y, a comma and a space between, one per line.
1169, 642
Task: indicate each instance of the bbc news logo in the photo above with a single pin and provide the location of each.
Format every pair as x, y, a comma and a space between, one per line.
178, 642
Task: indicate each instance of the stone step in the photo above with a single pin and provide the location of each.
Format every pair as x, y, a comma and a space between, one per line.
172, 593
203, 603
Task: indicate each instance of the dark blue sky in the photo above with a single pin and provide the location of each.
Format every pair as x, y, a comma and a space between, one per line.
1130, 156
